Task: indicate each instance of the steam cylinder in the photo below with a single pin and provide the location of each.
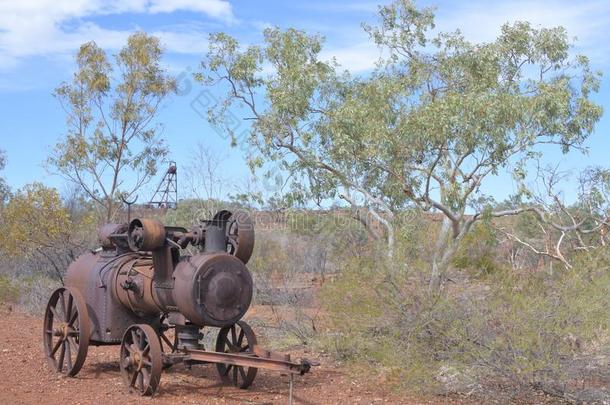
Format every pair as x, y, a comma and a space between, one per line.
132, 285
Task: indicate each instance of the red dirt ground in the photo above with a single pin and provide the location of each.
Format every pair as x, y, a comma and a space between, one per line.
25, 378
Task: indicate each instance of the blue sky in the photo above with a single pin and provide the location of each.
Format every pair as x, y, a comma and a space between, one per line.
38, 40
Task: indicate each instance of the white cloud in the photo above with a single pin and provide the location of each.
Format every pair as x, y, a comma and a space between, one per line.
214, 8
51, 27
349, 7
58, 27
186, 42
356, 58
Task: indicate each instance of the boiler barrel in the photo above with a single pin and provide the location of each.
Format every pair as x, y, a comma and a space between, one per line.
212, 289
209, 289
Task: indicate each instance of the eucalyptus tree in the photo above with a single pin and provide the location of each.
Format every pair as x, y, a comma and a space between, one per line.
39, 228
436, 118
112, 145
555, 229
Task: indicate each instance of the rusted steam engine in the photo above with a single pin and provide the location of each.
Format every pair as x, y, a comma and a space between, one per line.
138, 287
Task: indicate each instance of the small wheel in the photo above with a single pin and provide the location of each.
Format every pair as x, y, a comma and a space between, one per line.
141, 360
66, 331
237, 338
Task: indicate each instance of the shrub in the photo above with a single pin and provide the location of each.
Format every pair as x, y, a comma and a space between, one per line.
478, 253
383, 318
9, 292
523, 330
295, 252
36, 292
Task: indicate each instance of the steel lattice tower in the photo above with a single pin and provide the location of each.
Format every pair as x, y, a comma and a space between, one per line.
166, 195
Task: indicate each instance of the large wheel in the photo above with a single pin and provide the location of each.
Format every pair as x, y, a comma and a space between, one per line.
237, 338
66, 331
141, 360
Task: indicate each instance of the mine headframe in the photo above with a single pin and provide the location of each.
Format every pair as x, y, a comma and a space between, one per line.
166, 194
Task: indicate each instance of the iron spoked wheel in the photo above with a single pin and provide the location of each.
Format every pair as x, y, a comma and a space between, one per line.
66, 331
237, 338
141, 360
239, 230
